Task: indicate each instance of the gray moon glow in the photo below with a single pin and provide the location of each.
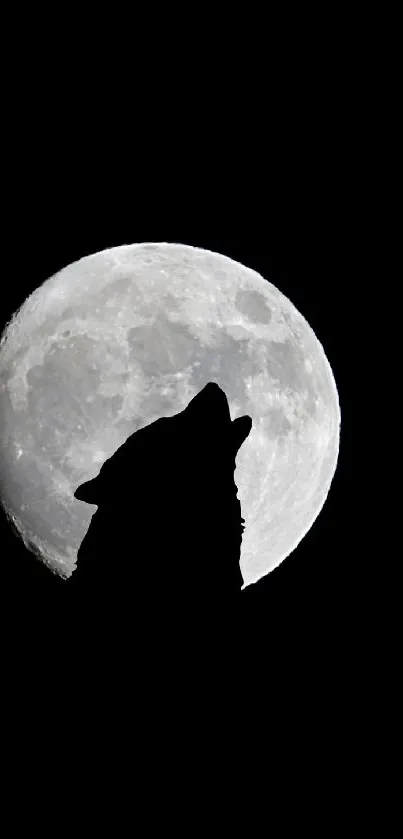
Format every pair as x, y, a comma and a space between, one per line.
122, 337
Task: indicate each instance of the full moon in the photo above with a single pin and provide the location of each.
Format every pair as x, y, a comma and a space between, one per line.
122, 337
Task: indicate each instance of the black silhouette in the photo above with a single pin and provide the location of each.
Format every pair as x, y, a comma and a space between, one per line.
165, 541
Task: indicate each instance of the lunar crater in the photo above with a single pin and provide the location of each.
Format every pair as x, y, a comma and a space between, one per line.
253, 305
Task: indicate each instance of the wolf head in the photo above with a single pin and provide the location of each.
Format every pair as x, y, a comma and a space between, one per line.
204, 428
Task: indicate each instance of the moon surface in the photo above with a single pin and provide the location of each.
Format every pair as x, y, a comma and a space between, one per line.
122, 337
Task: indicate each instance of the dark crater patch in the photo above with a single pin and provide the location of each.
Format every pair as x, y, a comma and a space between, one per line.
284, 362
228, 362
253, 306
276, 424
162, 347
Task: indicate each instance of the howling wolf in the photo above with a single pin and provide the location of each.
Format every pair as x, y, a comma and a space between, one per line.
168, 529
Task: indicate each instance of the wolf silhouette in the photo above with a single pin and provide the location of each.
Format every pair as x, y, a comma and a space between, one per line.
167, 534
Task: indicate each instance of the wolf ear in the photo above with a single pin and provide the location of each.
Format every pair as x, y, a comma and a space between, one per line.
240, 429
87, 492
